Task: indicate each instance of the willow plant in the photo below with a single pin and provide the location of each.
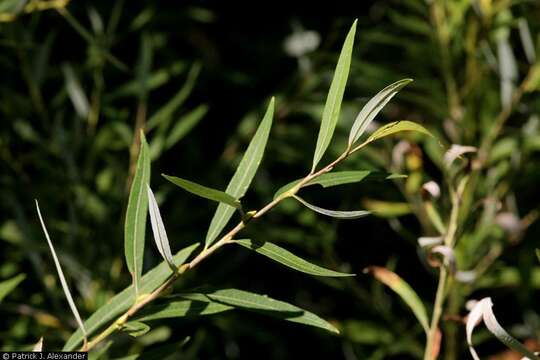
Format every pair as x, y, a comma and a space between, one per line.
144, 301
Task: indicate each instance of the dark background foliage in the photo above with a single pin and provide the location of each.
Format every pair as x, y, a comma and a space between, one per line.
77, 165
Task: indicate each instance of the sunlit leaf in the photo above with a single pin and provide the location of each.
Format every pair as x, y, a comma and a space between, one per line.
400, 287
243, 176
61, 275
135, 224
287, 258
340, 178
203, 191
332, 107
204, 303
158, 229
333, 213
373, 107
123, 300
395, 127
483, 310
9, 285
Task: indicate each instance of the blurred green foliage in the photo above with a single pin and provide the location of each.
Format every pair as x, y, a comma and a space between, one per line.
79, 81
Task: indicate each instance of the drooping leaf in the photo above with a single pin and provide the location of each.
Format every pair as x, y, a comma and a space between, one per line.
483, 310
203, 191
334, 213
123, 300
61, 275
373, 107
158, 229
135, 328
287, 258
395, 127
400, 287
332, 106
135, 224
340, 178
9, 285
243, 175
211, 302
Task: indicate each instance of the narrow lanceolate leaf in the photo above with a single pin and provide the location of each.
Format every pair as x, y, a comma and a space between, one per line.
395, 127
334, 213
61, 275
205, 303
203, 191
9, 285
158, 229
483, 310
243, 176
124, 299
332, 107
135, 225
340, 178
400, 287
373, 107
287, 258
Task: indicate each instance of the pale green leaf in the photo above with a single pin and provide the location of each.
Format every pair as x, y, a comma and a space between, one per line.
203, 191
135, 328
135, 224
332, 107
340, 178
243, 176
334, 213
395, 127
373, 107
204, 303
158, 229
9, 285
400, 287
287, 258
123, 300
61, 275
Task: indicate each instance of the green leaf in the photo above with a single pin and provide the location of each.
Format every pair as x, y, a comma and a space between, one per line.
387, 209
123, 300
158, 229
243, 176
334, 213
203, 191
332, 107
373, 107
204, 303
63, 281
135, 328
340, 178
287, 258
538, 254
395, 127
135, 225
9, 285
400, 287
184, 125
